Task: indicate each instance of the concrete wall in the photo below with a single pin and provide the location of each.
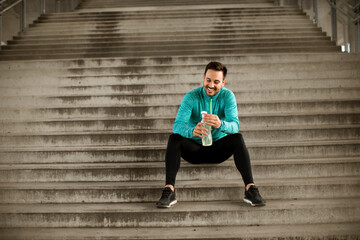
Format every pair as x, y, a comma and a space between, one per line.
11, 18
345, 28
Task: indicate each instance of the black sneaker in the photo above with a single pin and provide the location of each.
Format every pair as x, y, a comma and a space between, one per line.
168, 198
252, 196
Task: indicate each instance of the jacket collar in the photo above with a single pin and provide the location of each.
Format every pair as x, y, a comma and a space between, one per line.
207, 98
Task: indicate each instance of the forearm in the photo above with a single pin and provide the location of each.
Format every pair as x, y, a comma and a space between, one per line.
229, 127
183, 129
183, 125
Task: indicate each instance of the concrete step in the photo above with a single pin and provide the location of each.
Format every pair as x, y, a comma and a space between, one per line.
139, 4
186, 214
234, 69
9, 88
152, 48
183, 37
189, 31
147, 44
133, 172
174, 15
200, 16
149, 15
151, 153
148, 61
180, 30
280, 108
173, 53
156, 33
335, 231
185, 11
297, 95
196, 21
154, 26
159, 78
208, 8
214, 21
211, 10
196, 10
187, 191
175, 7
18, 126
24, 43
142, 2
167, 74
160, 137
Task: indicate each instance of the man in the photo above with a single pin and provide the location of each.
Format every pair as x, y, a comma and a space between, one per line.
188, 130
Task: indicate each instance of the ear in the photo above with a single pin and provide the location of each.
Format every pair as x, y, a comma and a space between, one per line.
224, 81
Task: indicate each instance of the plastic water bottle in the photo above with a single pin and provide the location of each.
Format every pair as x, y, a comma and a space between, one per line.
207, 140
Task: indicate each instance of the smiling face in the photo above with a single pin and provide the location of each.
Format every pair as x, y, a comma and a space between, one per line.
213, 82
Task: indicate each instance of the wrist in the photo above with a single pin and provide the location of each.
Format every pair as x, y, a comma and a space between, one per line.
221, 124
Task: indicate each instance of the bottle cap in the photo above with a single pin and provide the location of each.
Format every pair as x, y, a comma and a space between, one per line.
203, 112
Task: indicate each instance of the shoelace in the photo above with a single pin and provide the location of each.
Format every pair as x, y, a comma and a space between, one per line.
254, 190
166, 193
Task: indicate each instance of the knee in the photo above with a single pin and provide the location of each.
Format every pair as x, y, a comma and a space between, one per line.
175, 138
237, 139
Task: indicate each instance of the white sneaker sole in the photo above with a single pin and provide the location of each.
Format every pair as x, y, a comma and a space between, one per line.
253, 205
171, 204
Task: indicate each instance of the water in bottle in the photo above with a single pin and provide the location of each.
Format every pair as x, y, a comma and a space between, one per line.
207, 140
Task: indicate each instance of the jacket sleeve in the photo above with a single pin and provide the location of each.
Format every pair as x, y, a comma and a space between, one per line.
230, 124
183, 125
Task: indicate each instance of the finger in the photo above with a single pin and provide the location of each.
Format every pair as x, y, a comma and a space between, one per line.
210, 123
210, 120
199, 132
203, 132
197, 135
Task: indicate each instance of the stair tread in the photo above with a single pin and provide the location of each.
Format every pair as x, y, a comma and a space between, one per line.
160, 164
205, 8
183, 184
188, 7
173, 93
51, 46
213, 232
162, 147
211, 206
54, 42
120, 118
324, 56
134, 105
157, 131
64, 65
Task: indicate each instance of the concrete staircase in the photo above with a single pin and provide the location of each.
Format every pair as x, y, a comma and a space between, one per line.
88, 99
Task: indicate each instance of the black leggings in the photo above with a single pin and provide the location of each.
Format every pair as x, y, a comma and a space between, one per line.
218, 152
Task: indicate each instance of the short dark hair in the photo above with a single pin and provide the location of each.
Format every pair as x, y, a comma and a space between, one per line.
217, 66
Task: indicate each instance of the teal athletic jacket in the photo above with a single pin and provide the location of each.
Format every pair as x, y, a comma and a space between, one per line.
222, 104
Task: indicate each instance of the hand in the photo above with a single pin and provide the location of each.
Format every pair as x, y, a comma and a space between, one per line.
212, 120
199, 130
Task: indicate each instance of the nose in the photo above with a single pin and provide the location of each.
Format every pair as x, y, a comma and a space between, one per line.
211, 85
